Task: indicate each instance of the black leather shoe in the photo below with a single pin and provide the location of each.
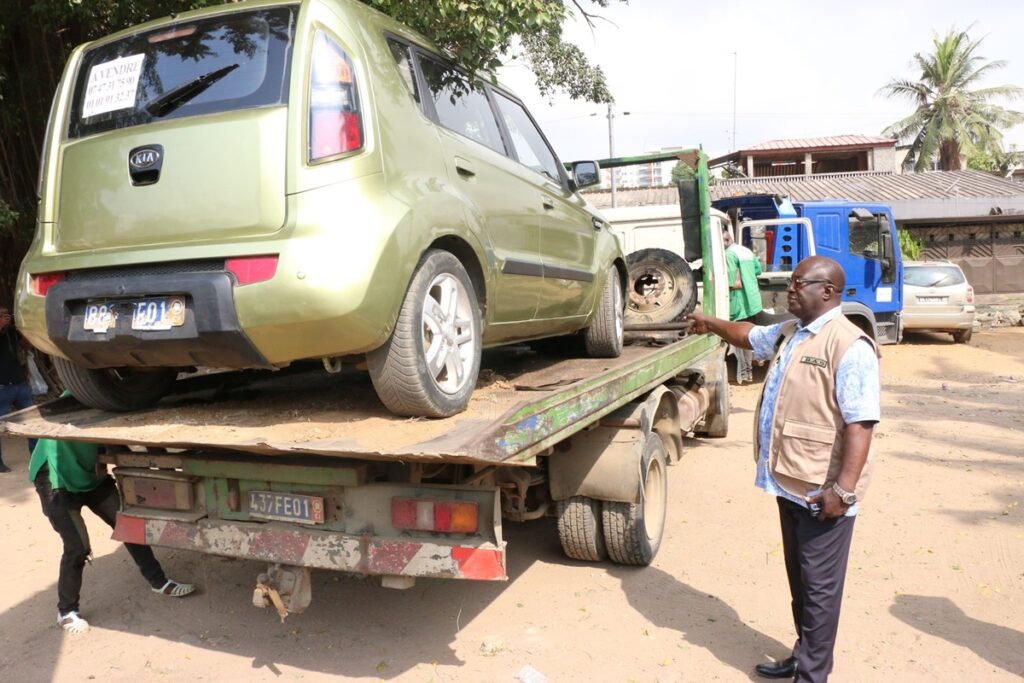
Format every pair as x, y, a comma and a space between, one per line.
784, 669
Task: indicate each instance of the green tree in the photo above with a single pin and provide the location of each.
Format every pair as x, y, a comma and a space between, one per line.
910, 248
998, 162
36, 37
682, 171
953, 115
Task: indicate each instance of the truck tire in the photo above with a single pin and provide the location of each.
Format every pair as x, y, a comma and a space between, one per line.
662, 288
579, 529
633, 531
117, 389
604, 336
962, 336
429, 365
716, 421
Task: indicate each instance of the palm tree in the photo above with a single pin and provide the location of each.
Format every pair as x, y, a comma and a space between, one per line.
952, 118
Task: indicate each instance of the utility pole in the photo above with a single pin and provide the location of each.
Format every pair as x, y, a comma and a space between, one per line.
735, 62
611, 148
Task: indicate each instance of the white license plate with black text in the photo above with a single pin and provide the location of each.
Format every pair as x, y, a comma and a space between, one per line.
288, 507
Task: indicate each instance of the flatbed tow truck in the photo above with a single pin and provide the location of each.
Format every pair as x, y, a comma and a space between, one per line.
305, 470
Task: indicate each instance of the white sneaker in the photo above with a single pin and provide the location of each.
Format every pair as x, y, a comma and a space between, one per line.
72, 623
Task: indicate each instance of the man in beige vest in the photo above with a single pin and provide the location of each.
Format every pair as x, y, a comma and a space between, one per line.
812, 439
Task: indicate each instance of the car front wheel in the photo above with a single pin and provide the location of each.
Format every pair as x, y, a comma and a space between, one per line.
429, 365
604, 336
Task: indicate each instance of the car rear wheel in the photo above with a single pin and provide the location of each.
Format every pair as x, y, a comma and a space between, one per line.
661, 288
429, 365
962, 336
117, 389
604, 336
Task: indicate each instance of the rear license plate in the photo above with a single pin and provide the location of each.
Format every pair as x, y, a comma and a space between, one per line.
99, 317
159, 314
932, 299
288, 507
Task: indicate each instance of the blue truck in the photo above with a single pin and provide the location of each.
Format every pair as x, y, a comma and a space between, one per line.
860, 236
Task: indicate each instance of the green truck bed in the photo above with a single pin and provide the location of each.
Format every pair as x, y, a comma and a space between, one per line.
525, 402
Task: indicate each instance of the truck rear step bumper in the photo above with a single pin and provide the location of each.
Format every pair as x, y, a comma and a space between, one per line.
370, 555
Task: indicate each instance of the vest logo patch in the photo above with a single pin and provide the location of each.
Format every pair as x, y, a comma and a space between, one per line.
819, 362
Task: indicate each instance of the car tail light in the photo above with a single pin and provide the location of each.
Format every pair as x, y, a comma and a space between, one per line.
251, 269
970, 294
41, 282
427, 514
335, 126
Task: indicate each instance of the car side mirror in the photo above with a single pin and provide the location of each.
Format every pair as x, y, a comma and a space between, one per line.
585, 173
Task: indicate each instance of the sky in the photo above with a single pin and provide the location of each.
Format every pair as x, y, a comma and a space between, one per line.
797, 69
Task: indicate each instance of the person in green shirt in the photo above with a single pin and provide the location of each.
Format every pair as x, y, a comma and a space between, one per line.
68, 477
742, 269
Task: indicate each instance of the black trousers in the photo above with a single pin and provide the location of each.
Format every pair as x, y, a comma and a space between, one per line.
64, 510
816, 555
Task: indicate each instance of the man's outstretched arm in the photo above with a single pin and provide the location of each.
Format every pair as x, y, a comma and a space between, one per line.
733, 332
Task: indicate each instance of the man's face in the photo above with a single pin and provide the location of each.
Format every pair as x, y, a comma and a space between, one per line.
726, 239
809, 293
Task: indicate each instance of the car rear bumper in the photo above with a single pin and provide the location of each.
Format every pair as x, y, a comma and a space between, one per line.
963, 320
210, 336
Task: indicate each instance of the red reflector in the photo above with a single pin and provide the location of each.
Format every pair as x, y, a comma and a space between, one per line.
970, 294
41, 282
335, 132
252, 268
425, 514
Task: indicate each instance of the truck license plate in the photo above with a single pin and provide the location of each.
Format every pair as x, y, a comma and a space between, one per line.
161, 313
287, 507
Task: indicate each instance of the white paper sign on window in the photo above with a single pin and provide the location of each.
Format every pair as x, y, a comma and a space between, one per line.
884, 295
112, 85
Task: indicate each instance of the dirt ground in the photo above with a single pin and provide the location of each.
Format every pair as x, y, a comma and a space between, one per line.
935, 589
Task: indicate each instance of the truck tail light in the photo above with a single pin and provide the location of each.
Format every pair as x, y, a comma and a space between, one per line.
335, 126
427, 514
41, 282
251, 269
970, 294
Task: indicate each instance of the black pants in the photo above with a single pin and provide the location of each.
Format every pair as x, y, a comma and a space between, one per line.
64, 510
816, 556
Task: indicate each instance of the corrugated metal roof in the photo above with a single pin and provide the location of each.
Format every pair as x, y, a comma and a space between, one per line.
870, 186
817, 143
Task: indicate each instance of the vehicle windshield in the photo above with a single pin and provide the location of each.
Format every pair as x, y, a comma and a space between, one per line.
226, 62
932, 276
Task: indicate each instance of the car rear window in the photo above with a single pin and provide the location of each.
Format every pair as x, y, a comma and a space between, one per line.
230, 61
932, 276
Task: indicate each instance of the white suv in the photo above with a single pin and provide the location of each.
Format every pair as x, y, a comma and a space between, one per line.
937, 297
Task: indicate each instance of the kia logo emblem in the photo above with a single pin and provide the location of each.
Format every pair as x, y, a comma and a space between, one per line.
143, 158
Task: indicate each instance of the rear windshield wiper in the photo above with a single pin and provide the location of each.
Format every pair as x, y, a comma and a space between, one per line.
175, 97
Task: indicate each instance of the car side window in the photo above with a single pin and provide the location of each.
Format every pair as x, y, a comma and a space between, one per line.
529, 144
459, 107
403, 60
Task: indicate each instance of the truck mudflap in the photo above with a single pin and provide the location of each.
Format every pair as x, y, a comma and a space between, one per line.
368, 555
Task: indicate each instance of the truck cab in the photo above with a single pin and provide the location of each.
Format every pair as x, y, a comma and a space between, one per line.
860, 236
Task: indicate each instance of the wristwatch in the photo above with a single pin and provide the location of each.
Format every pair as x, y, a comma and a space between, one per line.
848, 497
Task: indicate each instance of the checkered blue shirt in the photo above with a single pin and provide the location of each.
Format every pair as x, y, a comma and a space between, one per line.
857, 389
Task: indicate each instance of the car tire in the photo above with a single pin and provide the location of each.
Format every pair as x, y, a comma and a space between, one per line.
117, 389
633, 531
604, 336
429, 365
662, 287
962, 336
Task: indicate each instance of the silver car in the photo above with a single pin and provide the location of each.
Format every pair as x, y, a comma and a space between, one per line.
937, 297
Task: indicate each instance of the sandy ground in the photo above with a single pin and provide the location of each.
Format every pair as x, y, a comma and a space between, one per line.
935, 589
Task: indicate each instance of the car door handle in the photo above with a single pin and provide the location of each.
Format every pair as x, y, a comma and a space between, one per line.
597, 223
464, 167
548, 203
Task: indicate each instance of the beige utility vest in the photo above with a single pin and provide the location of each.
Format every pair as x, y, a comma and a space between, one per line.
806, 438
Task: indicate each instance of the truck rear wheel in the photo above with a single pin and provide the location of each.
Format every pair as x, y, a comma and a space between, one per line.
604, 336
633, 531
429, 365
117, 389
661, 288
579, 529
716, 420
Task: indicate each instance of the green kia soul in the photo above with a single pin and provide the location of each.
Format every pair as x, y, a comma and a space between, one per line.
264, 182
